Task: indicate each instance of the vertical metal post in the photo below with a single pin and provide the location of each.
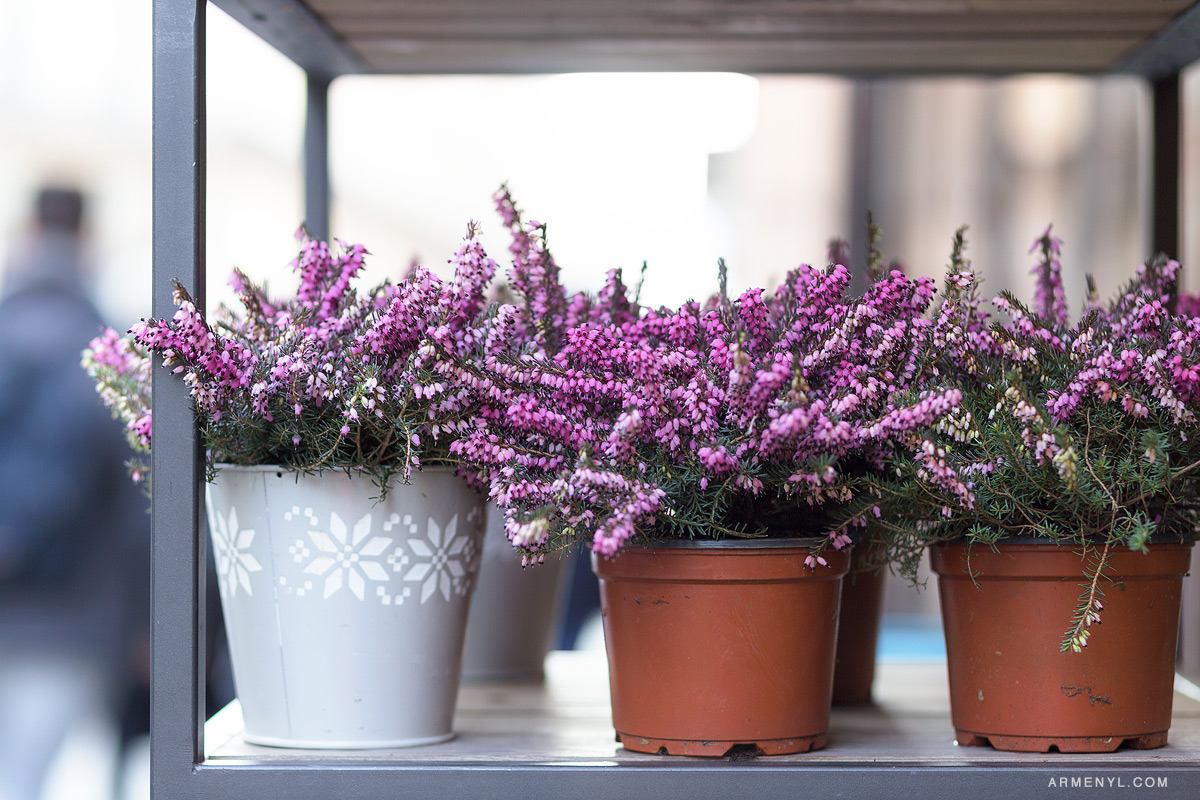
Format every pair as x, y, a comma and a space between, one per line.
316, 157
862, 97
178, 551
1166, 164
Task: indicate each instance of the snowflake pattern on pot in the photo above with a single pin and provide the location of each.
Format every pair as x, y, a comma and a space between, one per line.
345, 556
231, 551
442, 562
401, 563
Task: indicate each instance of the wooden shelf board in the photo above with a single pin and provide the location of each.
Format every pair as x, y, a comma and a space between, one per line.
567, 721
858, 37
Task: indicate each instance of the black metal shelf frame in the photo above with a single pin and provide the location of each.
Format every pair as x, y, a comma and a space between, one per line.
178, 768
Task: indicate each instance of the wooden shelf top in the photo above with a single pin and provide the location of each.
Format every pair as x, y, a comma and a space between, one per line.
843, 37
568, 722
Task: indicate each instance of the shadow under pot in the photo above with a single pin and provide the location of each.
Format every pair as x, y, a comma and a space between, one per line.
1005, 612
722, 647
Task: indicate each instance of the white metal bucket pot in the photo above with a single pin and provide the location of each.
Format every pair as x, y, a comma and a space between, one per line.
515, 612
345, 616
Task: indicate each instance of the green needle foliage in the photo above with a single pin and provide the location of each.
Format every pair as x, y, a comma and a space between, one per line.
1086, 435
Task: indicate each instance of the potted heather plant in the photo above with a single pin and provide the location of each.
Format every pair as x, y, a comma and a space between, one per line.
1061, 493
502, 646
346, 545
697, 452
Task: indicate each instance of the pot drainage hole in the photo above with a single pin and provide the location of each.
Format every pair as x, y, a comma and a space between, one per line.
743, 752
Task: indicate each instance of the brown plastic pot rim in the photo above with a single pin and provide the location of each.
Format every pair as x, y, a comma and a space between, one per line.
1031, 545
1048, 561
677, 564
758, 543
1077, 577
1042, 541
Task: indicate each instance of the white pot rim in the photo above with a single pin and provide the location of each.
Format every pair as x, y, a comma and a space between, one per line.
221, 466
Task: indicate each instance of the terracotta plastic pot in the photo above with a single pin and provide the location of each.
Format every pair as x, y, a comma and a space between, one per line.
1010, 684
722, 646
345, 615
858, 631
515, 611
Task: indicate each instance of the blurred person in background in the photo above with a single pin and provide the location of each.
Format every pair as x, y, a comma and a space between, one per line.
74, 533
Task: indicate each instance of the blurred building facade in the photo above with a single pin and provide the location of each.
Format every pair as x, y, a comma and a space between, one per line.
676, 170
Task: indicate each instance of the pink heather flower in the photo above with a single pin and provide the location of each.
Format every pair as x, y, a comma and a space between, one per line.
1079, 419
591, 425
1188, 305
121, 370
1050, 300
331, 377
